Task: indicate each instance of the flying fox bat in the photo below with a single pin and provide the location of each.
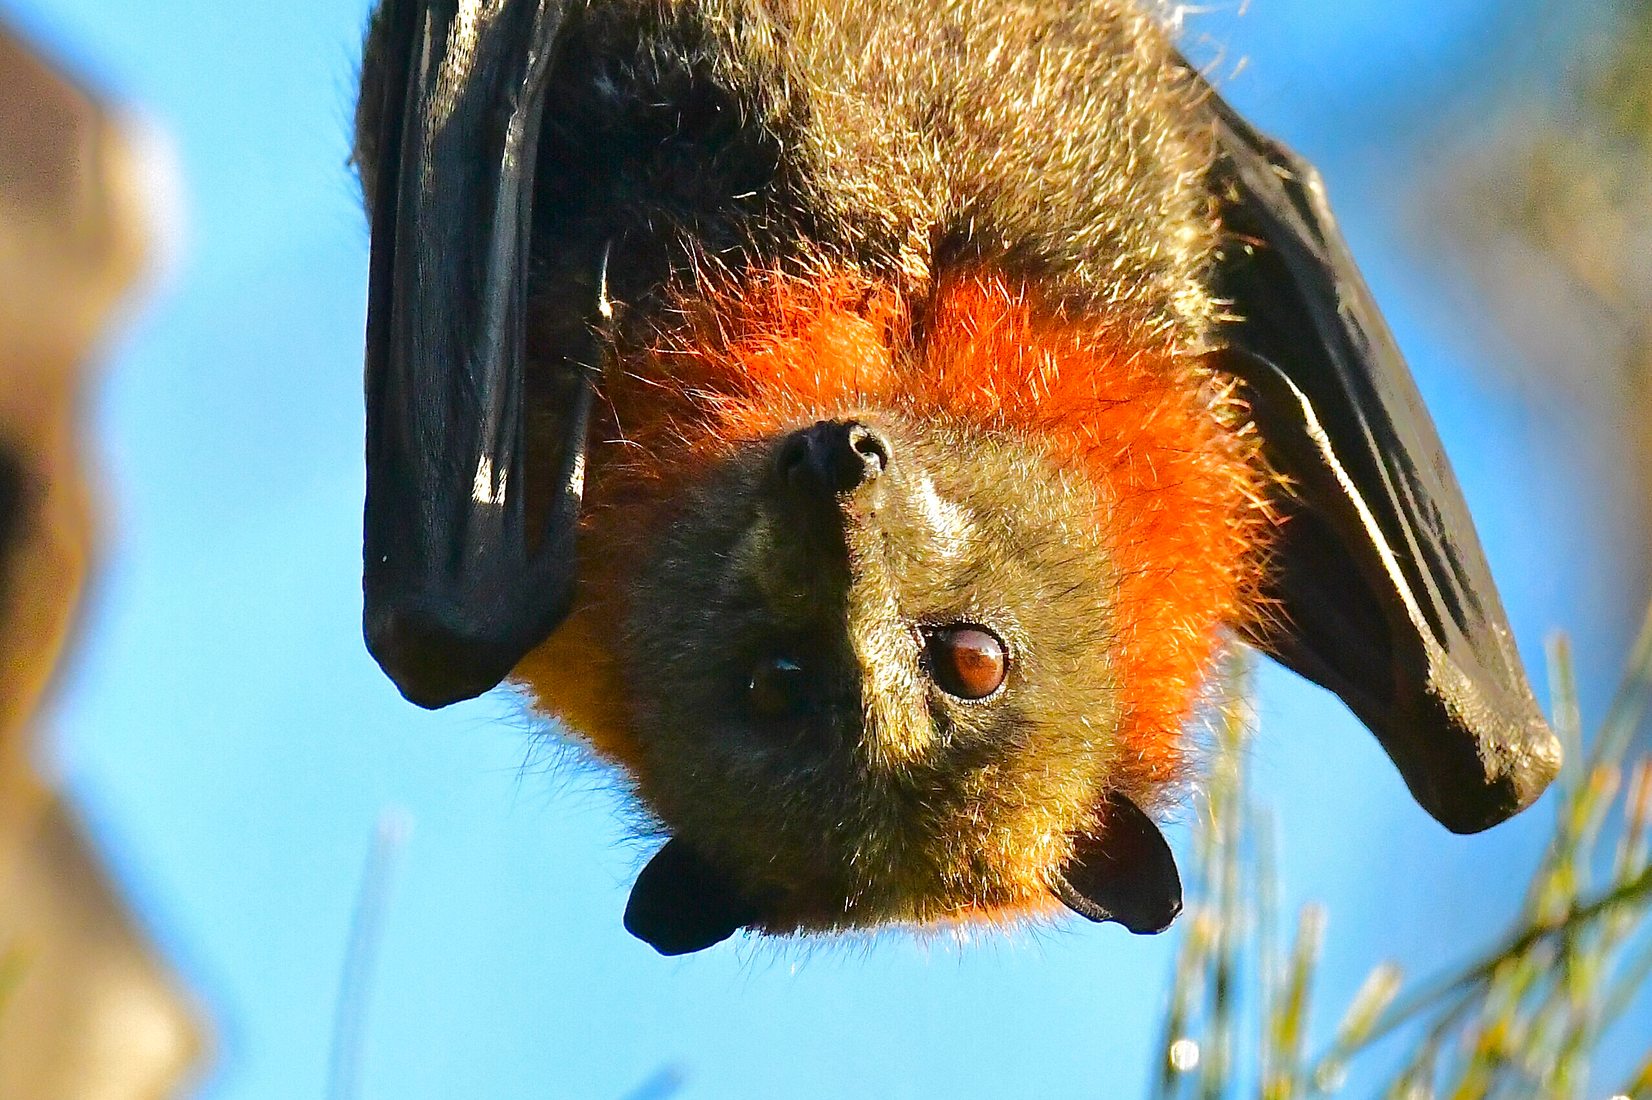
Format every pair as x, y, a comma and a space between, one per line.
865, 425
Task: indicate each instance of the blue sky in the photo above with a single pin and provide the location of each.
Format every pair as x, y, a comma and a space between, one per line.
233, 745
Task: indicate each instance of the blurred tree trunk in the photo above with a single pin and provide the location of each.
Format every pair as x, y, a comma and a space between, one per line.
87, 1012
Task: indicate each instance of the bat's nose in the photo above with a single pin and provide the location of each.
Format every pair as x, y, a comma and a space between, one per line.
833, 456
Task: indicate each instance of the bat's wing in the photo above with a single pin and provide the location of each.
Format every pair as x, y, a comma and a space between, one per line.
1383, 591
457, 587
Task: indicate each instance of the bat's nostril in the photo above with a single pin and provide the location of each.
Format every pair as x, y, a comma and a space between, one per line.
832, 456
872, 447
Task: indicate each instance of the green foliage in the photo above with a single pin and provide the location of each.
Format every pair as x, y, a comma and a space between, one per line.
1521, 1021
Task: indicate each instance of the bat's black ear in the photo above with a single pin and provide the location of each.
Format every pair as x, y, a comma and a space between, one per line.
682, 904
1380, 590
1126, 874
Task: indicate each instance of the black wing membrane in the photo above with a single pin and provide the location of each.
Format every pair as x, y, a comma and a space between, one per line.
1383, 591
455, 590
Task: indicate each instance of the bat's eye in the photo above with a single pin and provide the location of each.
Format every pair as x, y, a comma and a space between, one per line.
967, 661
778, 689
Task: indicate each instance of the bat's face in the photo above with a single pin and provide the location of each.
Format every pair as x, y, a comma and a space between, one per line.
867, 688
902, 615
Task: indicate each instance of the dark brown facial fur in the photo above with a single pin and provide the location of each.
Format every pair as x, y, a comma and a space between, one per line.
878, 796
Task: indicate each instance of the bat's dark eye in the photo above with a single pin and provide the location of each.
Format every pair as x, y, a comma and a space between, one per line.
778, 689
967, 661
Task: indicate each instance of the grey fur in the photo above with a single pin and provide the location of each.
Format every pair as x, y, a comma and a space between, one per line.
1046, 137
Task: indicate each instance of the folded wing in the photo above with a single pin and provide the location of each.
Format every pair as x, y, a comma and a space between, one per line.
1383, 592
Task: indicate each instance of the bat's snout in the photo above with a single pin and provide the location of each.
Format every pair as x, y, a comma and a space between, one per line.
833, 457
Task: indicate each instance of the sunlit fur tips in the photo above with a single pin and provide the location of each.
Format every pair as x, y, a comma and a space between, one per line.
1047, 139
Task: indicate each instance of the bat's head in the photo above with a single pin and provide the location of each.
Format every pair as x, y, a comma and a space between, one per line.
871, 691
895, 649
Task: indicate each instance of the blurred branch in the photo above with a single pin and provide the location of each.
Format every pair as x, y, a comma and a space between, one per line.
1552, 214
361, 955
